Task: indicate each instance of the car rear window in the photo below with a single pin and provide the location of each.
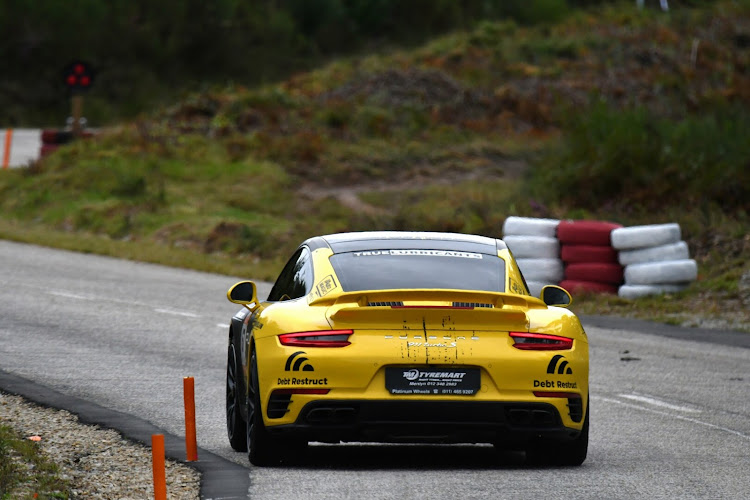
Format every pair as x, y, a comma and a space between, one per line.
410, 268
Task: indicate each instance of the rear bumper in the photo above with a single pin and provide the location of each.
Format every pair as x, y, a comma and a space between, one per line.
427, 421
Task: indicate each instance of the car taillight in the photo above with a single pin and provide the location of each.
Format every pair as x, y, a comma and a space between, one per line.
300, 391
540, 342
325, 338
567, 395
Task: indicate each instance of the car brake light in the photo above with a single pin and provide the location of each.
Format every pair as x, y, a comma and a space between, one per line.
301, 391
540, 342
566, 395
326, 338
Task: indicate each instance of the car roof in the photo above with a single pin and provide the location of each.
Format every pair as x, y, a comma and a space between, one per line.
407, 240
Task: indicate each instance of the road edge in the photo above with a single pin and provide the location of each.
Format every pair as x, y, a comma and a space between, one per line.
732, 338
220, 478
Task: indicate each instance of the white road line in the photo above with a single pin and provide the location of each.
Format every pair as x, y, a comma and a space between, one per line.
658, 402
222, 325
68, 295
177, 313
672, 415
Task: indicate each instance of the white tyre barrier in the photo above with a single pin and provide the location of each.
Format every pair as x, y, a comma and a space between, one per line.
671, 251
628, 238
637, 291
530, 226
533, 247
654, 273
549, 271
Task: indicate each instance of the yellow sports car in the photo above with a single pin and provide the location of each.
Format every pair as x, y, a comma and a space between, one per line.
406, 337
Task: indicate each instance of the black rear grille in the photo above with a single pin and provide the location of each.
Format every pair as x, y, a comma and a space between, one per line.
278, 405
472, 305
411, 421
575, 406
395, 303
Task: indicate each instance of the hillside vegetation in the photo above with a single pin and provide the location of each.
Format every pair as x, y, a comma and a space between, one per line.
609, 113
145, 53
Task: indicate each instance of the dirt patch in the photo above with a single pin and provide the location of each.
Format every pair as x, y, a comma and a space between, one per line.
420, 177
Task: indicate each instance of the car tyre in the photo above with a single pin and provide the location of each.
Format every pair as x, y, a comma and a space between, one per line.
236, 426
260, 445
567, 454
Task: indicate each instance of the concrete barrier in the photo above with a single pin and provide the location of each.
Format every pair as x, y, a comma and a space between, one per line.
19, 147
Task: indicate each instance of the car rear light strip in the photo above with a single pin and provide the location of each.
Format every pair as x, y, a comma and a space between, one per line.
325, 338
540, 342
547, 394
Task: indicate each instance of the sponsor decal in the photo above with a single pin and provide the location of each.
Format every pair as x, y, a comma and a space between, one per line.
434, 381
431, 376
297, 362
557, 365
555, 384
419, 253
302, 381
562, 368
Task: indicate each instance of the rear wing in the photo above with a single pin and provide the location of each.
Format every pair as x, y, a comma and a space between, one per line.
431, 298
424, 307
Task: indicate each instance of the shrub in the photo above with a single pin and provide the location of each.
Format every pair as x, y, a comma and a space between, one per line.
635, 157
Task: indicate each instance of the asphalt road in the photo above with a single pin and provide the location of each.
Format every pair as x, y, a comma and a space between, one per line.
670, 414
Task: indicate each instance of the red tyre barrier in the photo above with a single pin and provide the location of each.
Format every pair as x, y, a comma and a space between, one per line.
575, 286
586, 232
588, 253
47, 149
597, 272
54, 136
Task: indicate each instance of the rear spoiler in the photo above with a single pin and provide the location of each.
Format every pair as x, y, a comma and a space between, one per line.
366, 298
414, 307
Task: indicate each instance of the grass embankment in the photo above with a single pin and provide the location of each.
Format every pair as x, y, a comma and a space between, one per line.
25, 473
636, 117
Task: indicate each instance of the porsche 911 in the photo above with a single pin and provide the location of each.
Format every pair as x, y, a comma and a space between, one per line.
406, 337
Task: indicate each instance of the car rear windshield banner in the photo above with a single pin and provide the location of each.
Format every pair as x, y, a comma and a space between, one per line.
418, 253
432, 381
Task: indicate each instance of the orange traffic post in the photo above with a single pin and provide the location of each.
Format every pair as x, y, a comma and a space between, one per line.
157, 457
8, 144
191, 444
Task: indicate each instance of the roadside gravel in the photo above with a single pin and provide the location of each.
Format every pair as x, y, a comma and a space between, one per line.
98, 463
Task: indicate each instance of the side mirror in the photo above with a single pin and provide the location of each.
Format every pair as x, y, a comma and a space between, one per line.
244, 293
553, 295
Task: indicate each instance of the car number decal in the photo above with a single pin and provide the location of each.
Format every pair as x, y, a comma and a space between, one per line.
326, 285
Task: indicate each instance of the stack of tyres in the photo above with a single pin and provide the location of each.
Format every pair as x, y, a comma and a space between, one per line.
52, 139
534, 244
656, 260
590, 260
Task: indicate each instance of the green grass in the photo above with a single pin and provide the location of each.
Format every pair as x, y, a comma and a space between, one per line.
25, 472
